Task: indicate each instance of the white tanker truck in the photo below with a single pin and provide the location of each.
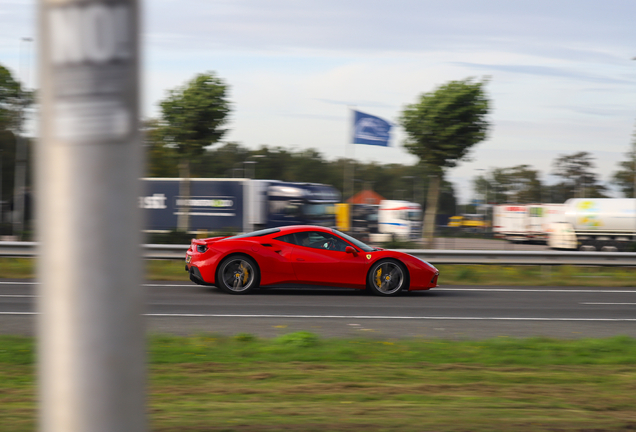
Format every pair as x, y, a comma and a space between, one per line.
595, 224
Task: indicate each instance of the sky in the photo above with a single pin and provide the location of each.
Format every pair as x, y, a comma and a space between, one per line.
561, 74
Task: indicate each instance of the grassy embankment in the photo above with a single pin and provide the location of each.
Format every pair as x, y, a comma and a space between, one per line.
298, 382
449, 274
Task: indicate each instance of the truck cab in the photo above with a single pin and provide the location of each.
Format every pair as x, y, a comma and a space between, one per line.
400, 219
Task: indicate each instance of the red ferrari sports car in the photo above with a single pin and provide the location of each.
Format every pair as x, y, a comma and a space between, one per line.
304, 254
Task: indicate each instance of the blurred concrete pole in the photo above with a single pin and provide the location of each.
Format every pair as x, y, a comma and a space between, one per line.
89, 161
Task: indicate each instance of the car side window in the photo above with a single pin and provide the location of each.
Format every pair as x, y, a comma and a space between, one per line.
288, 238
320, 240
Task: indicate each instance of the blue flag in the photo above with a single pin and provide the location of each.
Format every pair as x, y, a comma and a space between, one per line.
371, 130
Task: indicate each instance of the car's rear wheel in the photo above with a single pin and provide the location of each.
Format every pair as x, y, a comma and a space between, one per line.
238, 274
387, 278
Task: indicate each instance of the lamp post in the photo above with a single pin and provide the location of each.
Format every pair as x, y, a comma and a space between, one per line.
251, 174
634, 176
353, 186
485, 196
253, 164
414, 178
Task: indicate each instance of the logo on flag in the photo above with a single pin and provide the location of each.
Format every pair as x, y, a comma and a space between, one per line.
371, 130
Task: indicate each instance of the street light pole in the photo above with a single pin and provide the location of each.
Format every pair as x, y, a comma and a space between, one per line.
634, 179
20, 152
414, 178
253, 164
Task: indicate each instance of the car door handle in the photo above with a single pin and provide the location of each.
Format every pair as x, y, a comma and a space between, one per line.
299, 259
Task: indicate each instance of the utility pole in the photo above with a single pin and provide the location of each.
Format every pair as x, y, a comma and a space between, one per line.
89, 161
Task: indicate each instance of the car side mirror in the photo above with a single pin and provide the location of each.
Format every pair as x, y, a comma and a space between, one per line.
351, 250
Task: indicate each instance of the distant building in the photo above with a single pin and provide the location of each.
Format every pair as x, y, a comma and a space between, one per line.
367, 196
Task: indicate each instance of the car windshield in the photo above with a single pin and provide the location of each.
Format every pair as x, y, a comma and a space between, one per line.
318, 209
356, 242
259, 233
414, 215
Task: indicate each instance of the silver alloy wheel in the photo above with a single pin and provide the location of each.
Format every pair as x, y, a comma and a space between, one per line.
238, 275
387, 277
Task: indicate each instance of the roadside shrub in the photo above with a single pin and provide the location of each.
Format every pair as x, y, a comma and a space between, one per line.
303, 339
245, 337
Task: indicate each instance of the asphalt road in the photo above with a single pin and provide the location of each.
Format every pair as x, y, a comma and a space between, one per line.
444, 312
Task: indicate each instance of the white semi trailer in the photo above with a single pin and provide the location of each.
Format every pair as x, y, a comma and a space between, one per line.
525, 223
595, 224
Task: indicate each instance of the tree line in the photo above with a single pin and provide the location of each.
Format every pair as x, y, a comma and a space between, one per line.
576, 179
186, 140
232, 160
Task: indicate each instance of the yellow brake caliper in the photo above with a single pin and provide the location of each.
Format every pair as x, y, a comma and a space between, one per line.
378, 277
246, 274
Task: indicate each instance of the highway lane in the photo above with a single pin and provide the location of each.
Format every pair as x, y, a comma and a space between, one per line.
446, 312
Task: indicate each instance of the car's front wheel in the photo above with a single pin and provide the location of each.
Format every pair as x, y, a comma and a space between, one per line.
387, 278
237, 274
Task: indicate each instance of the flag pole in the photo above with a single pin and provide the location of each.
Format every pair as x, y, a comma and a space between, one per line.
347, 186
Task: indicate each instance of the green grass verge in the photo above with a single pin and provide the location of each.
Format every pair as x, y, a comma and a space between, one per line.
537, 275
173, 270
300, 382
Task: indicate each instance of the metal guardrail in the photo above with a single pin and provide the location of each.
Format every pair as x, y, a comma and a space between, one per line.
502, 257
154, 251
434, 256
18, 249
150, 251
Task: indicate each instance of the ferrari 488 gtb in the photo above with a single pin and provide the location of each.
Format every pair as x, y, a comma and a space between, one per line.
305, 254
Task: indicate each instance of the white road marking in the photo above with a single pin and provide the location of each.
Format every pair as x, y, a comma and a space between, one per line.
383, 317
185, 284
602, 303
535, 290
19, 313
370, 317
18, 283
479, 289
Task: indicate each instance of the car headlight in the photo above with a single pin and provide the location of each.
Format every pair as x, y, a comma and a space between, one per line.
428, 264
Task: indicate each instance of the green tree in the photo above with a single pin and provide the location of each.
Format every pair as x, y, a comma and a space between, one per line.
625, 177
225, 161
13, 99
192, 118
518, 184
161, 160
441, 128
578, 177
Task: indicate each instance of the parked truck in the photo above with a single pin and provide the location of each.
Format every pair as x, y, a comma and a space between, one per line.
237, 204
595, 224
469, 222
525, 223
398, 219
